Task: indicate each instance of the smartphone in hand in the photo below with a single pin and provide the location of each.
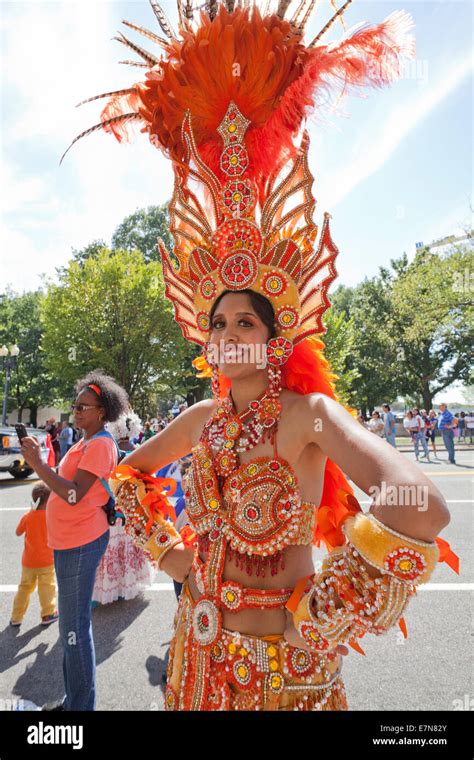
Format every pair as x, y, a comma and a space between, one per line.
21, 431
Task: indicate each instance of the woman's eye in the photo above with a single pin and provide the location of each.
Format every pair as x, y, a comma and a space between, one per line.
219, 323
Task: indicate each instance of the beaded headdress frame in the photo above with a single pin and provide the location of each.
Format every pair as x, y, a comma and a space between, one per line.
226, 103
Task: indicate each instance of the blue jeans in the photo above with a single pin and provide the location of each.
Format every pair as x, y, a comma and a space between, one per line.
420, 438
448, 440
75, 573
390, 438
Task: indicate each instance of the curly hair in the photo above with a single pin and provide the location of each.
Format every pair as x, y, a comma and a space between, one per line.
40, 493
112, 397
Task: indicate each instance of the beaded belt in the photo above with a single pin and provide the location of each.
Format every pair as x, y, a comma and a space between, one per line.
235, 597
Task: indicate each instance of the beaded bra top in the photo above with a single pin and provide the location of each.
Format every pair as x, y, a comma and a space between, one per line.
258, 508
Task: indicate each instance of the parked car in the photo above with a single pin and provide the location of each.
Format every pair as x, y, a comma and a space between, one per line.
11, 460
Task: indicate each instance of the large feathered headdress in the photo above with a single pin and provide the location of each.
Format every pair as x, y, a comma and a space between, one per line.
226, 100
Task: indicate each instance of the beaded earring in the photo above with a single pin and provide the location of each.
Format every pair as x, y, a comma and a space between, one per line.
279, 351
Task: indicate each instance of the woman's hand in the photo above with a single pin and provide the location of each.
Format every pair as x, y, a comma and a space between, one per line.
31, 451
294, 639
178, 562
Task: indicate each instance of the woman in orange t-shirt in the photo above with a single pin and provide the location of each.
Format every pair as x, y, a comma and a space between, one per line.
78, 529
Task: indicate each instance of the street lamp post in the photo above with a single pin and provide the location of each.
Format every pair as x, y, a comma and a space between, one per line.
9, 358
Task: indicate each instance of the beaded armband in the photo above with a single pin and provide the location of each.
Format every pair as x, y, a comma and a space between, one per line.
149, 515
342, 603
402, 557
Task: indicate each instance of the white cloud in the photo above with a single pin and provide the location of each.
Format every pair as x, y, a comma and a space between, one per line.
379, 145
59, 54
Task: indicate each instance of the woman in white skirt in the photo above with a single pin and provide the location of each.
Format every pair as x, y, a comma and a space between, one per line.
123, 570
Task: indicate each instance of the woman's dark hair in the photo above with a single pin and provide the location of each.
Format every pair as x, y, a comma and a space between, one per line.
113, 398
261, 306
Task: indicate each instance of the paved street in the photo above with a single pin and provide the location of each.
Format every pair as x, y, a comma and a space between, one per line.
430, 670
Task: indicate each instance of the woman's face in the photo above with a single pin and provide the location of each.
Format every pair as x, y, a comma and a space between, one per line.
238, 337
86, 418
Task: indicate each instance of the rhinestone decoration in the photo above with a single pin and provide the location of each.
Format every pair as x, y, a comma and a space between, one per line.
206, 622
234, 160
171, 698
208, 288
287, 317
203, 321
239, 270
300, 663
238, 197
279, 350
236, 235
313, 638
405, 563
233, 126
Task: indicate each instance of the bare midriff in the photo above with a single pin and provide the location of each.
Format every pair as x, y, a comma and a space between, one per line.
257, 622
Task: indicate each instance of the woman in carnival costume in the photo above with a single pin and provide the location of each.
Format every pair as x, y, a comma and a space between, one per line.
256, 627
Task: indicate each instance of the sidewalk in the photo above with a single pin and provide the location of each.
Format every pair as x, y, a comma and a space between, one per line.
404, 444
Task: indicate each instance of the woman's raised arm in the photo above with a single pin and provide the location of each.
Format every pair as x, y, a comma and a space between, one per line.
174, 442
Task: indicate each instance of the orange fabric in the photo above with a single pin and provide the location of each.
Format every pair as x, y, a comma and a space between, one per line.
447, 555
156, 500
300, 588
51, 453
72, 525
36, 553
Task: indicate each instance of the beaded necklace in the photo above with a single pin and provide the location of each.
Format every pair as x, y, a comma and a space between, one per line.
228, 434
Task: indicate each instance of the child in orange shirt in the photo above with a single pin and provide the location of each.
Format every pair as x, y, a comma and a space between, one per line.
37, 562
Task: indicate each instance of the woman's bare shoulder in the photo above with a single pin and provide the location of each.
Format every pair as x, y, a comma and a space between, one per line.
197, 415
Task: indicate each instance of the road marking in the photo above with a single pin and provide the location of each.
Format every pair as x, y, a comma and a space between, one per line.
446, 587
448, 501
447, 472
8, 588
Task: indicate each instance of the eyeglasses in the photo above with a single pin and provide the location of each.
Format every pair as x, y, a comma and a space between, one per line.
82, 407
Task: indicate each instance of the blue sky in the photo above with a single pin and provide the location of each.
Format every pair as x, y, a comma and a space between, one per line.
395, 170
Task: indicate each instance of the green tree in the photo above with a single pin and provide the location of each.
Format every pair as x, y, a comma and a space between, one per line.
371, 357
110, 311
430, 324
30, 384
141, 230
340, 340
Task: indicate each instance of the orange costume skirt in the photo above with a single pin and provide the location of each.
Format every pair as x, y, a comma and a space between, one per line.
243, 672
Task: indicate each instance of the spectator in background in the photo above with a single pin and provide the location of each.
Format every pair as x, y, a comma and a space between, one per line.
65, 439
469, 426
147, 432
389, 423
78, 528
421, 435
376, 424
461, 426
446, 423
415, 426
53, 431
361, 418
37, 562
430, 430
75, 433
181, 517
